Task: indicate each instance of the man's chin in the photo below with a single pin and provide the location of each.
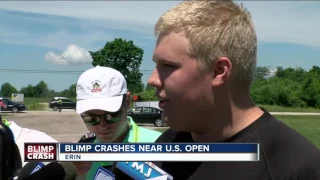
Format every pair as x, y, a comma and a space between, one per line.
177, 126
102, 137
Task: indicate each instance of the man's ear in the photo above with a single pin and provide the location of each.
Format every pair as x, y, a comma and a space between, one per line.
222, 69
128, 99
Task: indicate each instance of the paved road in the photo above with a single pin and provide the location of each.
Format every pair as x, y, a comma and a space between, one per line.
66, 126
274, 113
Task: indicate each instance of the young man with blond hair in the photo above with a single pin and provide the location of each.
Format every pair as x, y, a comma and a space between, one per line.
205, 56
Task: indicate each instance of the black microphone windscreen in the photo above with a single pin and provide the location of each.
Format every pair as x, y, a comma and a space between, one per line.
70, 170
27, 169
54, 171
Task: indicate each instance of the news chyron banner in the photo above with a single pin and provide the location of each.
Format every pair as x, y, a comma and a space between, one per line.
142, 152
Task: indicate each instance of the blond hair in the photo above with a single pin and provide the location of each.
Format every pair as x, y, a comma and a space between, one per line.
215, 29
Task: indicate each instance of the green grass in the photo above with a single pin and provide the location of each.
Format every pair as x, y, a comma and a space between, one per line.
29, 101
33, 103
308, 126
36, 107
287, 109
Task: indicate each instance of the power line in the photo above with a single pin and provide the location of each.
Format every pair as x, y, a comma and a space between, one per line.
37, 71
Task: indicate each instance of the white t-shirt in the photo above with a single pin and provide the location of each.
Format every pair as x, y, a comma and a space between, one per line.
23, 135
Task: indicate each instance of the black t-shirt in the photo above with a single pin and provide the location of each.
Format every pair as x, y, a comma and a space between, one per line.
284, 155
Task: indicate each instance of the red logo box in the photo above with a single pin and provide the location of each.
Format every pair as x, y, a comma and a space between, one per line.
40, 152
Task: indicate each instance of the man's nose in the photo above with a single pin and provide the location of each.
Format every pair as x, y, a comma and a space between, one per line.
103, 123
154, 79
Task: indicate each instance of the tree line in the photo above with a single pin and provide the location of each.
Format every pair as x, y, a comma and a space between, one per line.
288, 87
39, 90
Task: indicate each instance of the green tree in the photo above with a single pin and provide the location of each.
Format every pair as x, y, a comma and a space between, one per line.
125, 57
148, 94
41, 89
28, 91
52, 93
278, 91
70, 92
314, 71
311, 91
261, 73
280, 72
296, 74
7, 89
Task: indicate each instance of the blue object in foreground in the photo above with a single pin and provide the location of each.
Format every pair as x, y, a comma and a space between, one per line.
103, 174
37, 168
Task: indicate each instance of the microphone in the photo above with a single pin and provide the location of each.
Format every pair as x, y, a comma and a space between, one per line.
29, 169
140, 171
52, 171
38, 167
70, 171
104, 174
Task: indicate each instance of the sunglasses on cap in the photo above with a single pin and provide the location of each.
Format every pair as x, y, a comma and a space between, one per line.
109, 117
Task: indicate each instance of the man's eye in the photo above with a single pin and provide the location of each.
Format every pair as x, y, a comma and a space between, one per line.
89, 118
168, 65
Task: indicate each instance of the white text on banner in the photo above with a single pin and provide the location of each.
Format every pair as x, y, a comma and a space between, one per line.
159, 157
159, 152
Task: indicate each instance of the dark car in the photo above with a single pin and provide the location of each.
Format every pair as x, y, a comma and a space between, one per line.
147, 115
12, 106
65, 104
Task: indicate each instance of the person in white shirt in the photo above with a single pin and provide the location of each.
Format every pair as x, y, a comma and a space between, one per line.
22, 135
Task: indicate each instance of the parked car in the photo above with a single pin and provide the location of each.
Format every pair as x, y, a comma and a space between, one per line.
12, 106
147, 115
65, 104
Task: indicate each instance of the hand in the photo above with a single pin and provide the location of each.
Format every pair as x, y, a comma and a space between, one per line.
82, 167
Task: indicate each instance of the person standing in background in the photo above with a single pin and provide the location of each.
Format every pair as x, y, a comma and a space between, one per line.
60, 104
205, 56
102, 103
1, 105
